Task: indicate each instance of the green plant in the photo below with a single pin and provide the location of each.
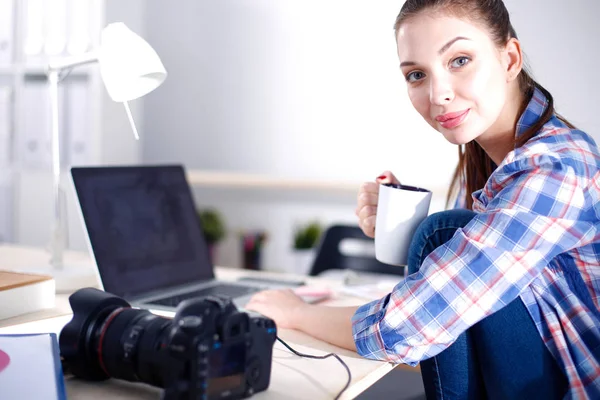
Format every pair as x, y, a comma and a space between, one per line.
307, 236
212, 225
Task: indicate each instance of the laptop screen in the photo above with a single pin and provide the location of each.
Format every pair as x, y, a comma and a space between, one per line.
143, 227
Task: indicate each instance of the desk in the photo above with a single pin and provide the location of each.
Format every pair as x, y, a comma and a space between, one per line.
292, 377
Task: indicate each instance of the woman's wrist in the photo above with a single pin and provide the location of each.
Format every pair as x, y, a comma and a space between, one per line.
299, 316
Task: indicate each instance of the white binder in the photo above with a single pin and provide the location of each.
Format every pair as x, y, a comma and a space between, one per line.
78, 146
7, 14
35, 140
6, 108
6, 205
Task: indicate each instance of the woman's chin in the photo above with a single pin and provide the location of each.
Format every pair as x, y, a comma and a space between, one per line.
458, 136
455, 139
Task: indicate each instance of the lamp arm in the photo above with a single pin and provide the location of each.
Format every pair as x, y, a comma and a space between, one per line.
73, 61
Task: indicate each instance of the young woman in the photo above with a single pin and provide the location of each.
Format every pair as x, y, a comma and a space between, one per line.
502, 299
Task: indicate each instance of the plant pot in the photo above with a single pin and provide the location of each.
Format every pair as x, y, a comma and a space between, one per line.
211, 252
252, 260
303, 260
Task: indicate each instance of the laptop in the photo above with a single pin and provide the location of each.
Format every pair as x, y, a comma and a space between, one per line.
146, 237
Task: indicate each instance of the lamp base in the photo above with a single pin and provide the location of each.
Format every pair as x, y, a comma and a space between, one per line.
68, 278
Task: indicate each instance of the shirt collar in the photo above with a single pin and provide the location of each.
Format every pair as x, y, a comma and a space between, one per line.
536, 107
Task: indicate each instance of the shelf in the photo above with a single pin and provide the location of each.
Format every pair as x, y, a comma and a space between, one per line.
236, 180
255, 181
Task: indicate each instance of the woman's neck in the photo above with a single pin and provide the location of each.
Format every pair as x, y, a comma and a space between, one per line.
499, 140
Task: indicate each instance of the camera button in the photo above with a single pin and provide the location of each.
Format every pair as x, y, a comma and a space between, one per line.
190, 322
177, 349
202, 373
202, 348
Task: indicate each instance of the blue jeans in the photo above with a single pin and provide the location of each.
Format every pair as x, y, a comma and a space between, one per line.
500, 357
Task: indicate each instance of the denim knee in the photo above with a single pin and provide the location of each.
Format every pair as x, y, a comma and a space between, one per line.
434, 231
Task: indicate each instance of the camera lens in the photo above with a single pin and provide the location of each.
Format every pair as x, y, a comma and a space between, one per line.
107, 338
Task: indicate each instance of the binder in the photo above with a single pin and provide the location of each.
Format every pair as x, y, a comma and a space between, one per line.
6, 109
7, 15
7, 194
79, 32
33, 31
79, 144
55, 28
34, 141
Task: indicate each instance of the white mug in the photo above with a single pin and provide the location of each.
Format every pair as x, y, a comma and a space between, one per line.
400, 210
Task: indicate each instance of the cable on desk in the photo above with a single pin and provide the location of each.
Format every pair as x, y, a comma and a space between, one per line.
321, 358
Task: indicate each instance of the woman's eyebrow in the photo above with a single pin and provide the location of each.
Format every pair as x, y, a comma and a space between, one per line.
450, 43
440, 51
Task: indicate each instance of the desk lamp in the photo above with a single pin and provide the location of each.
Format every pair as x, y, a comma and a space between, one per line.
129, 68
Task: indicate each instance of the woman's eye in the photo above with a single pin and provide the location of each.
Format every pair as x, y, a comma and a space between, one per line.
414, 76
460, 62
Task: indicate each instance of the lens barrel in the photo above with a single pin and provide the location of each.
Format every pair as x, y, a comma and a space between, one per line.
107, 338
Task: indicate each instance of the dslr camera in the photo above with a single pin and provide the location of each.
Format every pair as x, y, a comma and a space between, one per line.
209, 350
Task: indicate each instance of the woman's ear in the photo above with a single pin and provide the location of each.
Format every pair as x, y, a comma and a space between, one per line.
513, 57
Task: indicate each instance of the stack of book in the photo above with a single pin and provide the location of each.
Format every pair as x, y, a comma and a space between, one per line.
22, 293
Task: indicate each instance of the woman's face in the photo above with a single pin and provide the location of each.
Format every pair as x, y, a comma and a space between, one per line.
456, 76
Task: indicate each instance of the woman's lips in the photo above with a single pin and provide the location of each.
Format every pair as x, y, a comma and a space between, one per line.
452, 120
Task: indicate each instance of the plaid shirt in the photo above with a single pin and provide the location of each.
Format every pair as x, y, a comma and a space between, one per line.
535, 235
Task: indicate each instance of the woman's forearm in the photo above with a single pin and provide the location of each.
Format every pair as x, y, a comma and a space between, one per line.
330, 324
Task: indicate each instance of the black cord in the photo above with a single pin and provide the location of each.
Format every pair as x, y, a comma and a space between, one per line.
321, 358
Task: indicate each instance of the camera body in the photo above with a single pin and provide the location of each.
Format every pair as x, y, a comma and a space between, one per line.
209, 350
228, 352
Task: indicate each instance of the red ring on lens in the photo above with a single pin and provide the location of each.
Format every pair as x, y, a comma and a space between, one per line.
103, 330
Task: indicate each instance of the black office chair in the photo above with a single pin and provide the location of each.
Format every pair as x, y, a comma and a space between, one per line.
329, 255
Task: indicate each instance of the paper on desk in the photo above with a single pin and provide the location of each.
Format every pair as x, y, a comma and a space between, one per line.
30, 367
371, 291
48, 325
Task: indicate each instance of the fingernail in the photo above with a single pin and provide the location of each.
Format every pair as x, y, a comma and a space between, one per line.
381, 177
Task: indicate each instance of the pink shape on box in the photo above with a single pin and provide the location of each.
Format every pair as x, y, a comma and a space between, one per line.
4, 360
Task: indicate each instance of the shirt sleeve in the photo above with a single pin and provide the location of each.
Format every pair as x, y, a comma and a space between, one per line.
536, 211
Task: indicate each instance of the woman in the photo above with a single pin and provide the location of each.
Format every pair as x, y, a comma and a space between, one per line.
502, 297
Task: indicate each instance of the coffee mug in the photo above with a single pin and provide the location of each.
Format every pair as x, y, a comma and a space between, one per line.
400, 210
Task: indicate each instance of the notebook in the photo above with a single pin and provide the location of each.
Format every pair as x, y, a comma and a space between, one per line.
30, 367
146, 238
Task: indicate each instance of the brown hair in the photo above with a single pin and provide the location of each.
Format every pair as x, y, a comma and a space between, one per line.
474, 165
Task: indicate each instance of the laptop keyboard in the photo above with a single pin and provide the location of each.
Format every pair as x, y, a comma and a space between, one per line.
217, 290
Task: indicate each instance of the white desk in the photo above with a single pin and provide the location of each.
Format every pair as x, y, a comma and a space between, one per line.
292, 377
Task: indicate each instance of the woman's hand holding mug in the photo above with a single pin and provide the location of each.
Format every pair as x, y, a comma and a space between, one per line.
368, 196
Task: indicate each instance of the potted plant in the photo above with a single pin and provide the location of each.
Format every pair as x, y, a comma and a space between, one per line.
306, 239
213, 228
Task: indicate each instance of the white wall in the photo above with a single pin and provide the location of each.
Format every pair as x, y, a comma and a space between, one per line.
286, 88
312, 89
564, 54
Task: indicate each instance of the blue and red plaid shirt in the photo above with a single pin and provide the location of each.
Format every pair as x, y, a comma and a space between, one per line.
535, 235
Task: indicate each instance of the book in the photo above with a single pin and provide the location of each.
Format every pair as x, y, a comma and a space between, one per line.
22, 293
30, 367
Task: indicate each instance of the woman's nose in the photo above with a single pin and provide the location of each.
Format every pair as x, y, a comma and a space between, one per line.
441, 92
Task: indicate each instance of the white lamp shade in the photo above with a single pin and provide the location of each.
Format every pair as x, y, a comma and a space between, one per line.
129, 66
